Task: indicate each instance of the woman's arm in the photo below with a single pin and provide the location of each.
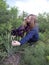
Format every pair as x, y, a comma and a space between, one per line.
28, 36
24, 39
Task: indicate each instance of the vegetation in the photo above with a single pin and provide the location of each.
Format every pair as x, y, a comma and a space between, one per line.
33, 55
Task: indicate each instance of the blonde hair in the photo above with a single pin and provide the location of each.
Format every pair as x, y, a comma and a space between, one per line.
32, 22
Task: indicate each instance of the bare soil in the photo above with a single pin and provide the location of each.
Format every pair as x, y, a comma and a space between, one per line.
12, 60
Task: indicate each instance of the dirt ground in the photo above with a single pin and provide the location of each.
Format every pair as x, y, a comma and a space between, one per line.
12, 60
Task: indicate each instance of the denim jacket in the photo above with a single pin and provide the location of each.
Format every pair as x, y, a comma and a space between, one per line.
32, 36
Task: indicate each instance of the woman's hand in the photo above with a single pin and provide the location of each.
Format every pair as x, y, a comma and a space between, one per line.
15, 43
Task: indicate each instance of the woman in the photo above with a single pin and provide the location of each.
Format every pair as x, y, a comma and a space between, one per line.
32, 34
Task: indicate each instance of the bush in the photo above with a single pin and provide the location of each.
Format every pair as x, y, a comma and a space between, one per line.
35, 55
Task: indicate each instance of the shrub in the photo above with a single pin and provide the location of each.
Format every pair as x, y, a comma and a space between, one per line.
35, 55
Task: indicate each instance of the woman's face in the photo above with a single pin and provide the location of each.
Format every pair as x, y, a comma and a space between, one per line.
28, 19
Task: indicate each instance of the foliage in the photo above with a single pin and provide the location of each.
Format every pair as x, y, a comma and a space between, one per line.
36, 55
43, 21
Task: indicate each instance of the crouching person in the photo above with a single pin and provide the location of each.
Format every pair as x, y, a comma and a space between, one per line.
32, 35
